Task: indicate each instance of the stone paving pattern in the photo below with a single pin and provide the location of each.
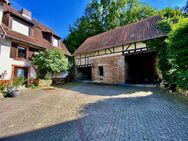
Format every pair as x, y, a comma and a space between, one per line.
88, 112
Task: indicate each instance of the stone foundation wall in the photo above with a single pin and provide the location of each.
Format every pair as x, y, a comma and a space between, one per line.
182, 91
114, 69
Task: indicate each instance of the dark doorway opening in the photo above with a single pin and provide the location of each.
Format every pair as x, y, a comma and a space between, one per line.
84, 73
141, 68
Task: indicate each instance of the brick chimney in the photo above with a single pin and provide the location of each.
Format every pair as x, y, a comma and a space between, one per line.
27, 14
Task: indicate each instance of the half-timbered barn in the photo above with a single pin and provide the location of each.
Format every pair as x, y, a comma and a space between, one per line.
120, 55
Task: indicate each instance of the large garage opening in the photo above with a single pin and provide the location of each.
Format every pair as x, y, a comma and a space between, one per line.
84, 73
141, 68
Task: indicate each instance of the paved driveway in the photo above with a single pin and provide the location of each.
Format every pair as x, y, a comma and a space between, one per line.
88, 112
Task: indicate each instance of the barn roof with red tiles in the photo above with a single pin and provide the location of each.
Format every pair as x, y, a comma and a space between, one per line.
131, 33
37, 38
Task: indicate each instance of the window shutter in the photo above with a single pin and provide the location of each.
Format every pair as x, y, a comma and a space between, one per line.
13, 50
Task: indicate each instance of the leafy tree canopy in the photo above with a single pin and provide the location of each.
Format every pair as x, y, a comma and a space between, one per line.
50, 60
170, 16
104, 15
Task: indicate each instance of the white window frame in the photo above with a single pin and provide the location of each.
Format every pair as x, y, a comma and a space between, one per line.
57, 43
25, 28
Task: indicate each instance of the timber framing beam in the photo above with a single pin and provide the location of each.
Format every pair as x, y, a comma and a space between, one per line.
84, 59
137, 51
85, 66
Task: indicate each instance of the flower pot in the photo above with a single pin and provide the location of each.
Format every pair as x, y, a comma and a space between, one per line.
45, 83
14, 93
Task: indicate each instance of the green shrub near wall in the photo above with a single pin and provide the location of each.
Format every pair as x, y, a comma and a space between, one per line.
178, 52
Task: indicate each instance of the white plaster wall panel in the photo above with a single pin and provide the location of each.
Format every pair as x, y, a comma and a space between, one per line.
19, 27
1, 13
21, 63
101, 52
55, 42
83, 61
88, 54
6, 62
140, 45
119, 48
102, 56
82, 55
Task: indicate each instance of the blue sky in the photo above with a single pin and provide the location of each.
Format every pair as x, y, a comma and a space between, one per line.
59, 14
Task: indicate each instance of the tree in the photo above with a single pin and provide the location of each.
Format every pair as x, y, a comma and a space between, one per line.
185, 10
178, 52
50, 60
170, 16
104, 15
134, 11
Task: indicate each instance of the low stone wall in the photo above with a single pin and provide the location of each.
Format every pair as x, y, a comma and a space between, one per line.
55, 81
44, 83
182, 91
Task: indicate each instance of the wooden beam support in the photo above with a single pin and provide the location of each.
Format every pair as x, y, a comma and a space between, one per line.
135, 51
135, 46
128, 47
110, 50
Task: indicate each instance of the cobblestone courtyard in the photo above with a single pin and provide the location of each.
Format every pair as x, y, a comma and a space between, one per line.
88, 112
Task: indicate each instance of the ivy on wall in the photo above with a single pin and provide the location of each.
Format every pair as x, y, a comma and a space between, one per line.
163, 64
172, 49
178, 52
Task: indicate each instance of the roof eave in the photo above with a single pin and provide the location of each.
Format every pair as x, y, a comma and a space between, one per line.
75, 53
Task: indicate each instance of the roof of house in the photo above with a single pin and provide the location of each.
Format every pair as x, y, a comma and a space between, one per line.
139, 31
37, 38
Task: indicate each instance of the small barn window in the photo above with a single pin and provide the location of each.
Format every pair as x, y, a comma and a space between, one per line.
101, 71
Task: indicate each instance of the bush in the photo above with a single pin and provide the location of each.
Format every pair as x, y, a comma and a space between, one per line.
50, 60
4, 86
18, 81
178, 52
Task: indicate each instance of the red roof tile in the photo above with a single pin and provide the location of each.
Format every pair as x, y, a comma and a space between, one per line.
131, 33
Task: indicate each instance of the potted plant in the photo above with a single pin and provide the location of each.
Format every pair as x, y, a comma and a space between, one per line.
13, 90
3, 85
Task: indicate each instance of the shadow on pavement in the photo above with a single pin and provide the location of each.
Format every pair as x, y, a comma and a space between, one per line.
118, 119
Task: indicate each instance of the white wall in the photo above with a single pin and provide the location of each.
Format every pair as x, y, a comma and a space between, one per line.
1, 13
55, 42
19, 27
6, 62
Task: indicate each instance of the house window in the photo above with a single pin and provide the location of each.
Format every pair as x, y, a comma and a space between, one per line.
101, 71
55, 42
20, 72
22, 52
20, 27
